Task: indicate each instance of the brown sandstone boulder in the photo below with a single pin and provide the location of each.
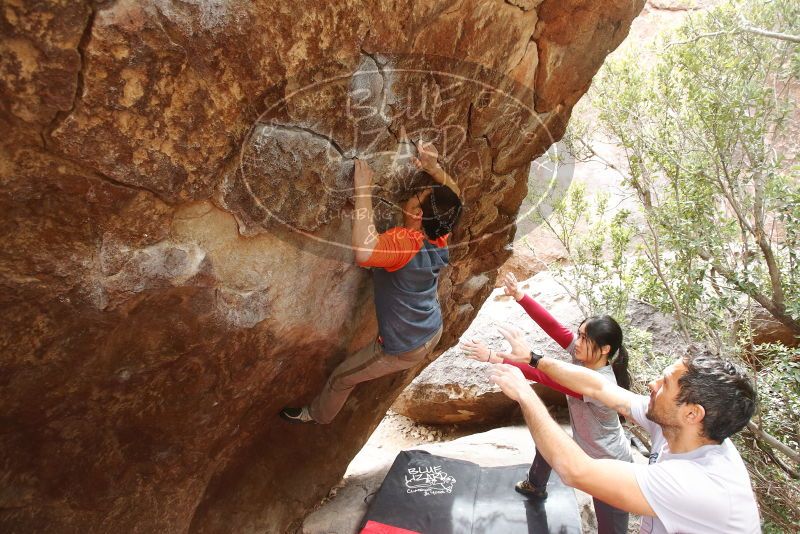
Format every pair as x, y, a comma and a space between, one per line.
767, 329
532, 255
175, 217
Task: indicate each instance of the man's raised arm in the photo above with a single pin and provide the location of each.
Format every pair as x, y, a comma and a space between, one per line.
588, 383
611, 481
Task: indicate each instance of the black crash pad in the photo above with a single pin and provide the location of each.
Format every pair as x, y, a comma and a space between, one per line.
428, 494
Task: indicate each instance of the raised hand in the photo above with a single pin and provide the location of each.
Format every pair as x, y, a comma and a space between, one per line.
511, 381
511, 287
362, 175
428, 156
478, 351
520, 350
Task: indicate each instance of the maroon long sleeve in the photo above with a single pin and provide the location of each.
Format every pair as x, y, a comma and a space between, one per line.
560, 333
531, 373
557, 331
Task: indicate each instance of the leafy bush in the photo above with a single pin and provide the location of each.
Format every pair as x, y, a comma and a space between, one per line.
717, 235
600, 276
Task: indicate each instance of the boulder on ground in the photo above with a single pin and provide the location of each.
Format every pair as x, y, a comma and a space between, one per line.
767, 329
531, 255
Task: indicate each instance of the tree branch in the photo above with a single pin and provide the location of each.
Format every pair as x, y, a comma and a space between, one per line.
773, 442
742, 29
772, 35
779, 313
764, 245
700, 36
655, 258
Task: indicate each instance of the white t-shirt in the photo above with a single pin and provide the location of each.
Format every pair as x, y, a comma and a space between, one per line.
704, 490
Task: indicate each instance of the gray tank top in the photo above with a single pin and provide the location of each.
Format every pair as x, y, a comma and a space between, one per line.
406, 300
595, 426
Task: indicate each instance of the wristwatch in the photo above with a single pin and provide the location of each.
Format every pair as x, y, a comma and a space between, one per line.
536, 355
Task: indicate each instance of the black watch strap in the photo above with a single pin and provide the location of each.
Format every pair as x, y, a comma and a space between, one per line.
535, 357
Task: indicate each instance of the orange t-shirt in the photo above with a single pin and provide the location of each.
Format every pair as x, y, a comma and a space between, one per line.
397, 246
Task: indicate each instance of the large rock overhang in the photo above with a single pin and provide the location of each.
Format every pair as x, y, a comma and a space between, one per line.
176, 207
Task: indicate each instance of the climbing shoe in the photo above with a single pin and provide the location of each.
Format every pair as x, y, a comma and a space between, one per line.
526, 488
297, 415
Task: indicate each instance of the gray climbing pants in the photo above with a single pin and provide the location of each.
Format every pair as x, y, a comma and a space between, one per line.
367, 364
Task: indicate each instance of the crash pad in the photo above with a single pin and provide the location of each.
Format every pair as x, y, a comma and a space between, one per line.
428, 494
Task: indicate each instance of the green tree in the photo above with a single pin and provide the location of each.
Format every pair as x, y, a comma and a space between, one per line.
600, 276
702, 132
708, 131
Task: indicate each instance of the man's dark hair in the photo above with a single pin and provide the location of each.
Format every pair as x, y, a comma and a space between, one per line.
723, 390
440, 212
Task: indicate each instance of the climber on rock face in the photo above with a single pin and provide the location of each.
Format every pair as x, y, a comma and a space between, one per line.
406, 262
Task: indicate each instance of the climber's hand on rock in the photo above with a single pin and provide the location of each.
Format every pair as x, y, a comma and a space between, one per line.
520, 350
511, 381
511, 287
428, 156
362, 175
